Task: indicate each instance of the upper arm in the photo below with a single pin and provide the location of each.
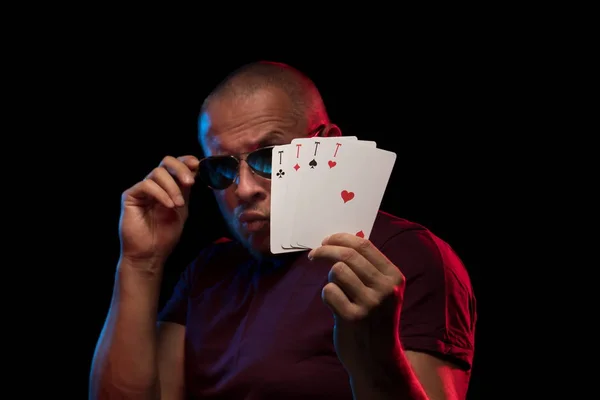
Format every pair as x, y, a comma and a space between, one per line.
440, 379
171, 358
437, 320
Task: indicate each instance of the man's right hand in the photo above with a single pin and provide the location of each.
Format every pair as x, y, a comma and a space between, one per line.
154, 211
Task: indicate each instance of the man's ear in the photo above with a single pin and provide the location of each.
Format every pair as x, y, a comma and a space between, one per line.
331, 130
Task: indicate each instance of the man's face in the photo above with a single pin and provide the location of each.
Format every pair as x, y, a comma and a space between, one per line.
240, 125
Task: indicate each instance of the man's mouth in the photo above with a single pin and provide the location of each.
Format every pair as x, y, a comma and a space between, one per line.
253, 221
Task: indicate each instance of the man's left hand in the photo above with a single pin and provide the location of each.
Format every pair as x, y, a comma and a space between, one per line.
364, 293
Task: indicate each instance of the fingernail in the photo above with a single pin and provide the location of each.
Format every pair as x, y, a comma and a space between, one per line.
325, 240
310, 255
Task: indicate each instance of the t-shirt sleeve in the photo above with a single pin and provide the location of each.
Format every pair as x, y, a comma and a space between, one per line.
175, 309
438, 311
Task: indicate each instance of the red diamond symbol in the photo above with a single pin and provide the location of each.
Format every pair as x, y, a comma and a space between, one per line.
296, 167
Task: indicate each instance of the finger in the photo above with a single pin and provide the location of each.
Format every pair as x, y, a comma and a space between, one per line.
356, 291
149, 190
180, 170
338, 302
363, 269
365, 248
191, 162
166, 181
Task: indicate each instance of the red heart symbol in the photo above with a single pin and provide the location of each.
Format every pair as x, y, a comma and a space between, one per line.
347, 196
331, 164
360, 234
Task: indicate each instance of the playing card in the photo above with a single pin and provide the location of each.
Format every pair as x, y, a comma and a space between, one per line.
287, 166
343, 198
281, 168
310, 156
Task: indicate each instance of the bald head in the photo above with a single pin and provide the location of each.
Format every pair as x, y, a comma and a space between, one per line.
306, 100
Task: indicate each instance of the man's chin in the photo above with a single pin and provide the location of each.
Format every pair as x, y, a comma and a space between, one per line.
258, 240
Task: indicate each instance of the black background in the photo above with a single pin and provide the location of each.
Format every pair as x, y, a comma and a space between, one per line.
443, 107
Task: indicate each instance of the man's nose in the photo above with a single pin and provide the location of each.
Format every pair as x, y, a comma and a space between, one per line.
248, 188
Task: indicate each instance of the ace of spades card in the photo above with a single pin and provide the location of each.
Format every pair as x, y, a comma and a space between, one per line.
345, 198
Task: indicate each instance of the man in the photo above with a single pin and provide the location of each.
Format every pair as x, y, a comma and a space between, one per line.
392, 317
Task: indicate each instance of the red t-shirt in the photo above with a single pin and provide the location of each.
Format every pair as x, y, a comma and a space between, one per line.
262, 331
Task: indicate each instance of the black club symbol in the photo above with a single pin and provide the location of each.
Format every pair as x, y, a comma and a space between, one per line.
280, 173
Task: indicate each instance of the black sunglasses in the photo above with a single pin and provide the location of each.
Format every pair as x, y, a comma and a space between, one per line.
219, 172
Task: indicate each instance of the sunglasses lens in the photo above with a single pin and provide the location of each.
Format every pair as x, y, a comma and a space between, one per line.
218, 172
260, 162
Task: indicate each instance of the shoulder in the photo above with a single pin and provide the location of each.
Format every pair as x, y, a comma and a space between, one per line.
388, 226
417, 251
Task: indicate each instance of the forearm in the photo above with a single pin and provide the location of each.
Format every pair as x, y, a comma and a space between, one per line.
389, 378
125, 362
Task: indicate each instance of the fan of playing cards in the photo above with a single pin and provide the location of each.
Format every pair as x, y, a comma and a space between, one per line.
321, 186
